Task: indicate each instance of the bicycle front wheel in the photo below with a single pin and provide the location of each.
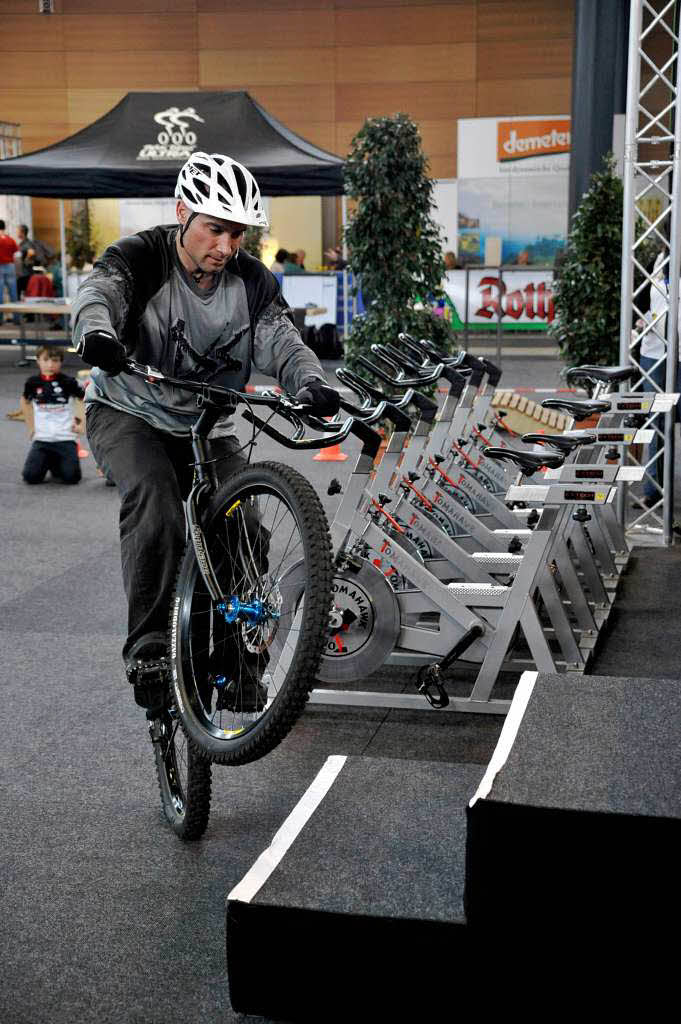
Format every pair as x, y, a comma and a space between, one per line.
243, 668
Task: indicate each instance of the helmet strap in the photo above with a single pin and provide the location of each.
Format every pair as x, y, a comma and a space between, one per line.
197, 274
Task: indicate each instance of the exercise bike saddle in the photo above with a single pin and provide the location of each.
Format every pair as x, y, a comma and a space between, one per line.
578, 408
527, 462
605, 374
560, 441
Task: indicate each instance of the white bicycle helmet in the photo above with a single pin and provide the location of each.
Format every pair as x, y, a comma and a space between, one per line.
220, 187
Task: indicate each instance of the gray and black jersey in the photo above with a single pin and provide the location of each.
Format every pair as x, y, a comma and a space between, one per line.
139, 291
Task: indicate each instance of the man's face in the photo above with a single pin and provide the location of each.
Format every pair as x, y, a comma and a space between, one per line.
211, 241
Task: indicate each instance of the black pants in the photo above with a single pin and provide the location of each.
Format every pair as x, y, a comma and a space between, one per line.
153, 471
59, 457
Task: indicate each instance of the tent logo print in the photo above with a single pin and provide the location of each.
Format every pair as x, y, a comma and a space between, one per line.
176, 140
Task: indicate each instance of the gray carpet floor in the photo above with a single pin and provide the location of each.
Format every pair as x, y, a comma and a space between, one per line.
104, 915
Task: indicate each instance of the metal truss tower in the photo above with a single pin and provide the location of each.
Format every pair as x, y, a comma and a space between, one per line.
652, 214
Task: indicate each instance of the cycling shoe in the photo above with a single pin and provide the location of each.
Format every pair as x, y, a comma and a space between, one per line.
148, 671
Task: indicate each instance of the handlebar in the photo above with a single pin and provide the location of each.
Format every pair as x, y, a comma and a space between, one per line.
218, 400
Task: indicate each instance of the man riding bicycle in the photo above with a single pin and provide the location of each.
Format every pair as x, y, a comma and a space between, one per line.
186, 300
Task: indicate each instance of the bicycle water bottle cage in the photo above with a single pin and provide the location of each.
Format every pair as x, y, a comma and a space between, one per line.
559, 441
602, 374
578, 408
527, 462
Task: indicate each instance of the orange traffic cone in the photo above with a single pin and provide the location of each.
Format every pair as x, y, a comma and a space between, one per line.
331, 454
83, 453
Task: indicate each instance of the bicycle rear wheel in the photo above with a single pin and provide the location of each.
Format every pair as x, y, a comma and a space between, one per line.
184, 778
243, 669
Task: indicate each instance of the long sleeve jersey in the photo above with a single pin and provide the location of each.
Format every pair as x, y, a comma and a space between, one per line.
140, 292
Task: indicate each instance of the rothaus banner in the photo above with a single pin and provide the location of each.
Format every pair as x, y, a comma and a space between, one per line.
512, 189
521, 299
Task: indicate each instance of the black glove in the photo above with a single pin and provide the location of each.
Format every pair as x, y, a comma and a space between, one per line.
324, 400
104, 350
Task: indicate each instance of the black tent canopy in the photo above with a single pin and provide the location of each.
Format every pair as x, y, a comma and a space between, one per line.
136, 150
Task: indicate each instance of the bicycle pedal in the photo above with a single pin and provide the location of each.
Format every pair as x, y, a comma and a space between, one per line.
143, 672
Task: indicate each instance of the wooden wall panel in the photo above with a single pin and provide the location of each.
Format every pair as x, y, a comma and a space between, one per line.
418, 99
39, 32
525, 19
438, 139
287, 102
98, 7
48, 66
511, 98
258, 67
434, 63
441, 167
438, 23
319, 133
34, 106
320, 66
22, 7
37, 136
87, 105
551, 58
392, 3
278, 29
148, 70
226, 6
109, 33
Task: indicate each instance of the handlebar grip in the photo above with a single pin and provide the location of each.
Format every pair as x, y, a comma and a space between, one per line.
304, 443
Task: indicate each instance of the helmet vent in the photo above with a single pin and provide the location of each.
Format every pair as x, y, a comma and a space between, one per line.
240, 183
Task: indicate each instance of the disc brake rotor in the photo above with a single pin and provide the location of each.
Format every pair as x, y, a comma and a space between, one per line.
364, 621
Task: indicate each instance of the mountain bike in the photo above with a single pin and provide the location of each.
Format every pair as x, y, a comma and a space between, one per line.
242, 655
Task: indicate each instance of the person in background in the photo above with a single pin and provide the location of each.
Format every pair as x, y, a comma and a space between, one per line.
299, 258
28, 258
451, 262
653, 361
52, 404
290, 265
39, 285
335, 258
279, 260
8, 274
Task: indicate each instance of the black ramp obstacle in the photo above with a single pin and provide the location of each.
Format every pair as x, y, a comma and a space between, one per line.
357, 905
574, 837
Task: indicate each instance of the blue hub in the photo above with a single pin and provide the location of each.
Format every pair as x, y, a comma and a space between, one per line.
254, 613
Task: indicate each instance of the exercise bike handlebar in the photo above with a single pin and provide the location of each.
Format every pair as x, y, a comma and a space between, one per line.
362, 387
401, 382
225, 399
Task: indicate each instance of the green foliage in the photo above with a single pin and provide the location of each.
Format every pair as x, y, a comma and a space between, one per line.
395, 246
252, 241
587, 291
80, 239
377, 325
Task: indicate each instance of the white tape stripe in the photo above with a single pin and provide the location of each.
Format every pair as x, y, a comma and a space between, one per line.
508, 734
257, 875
